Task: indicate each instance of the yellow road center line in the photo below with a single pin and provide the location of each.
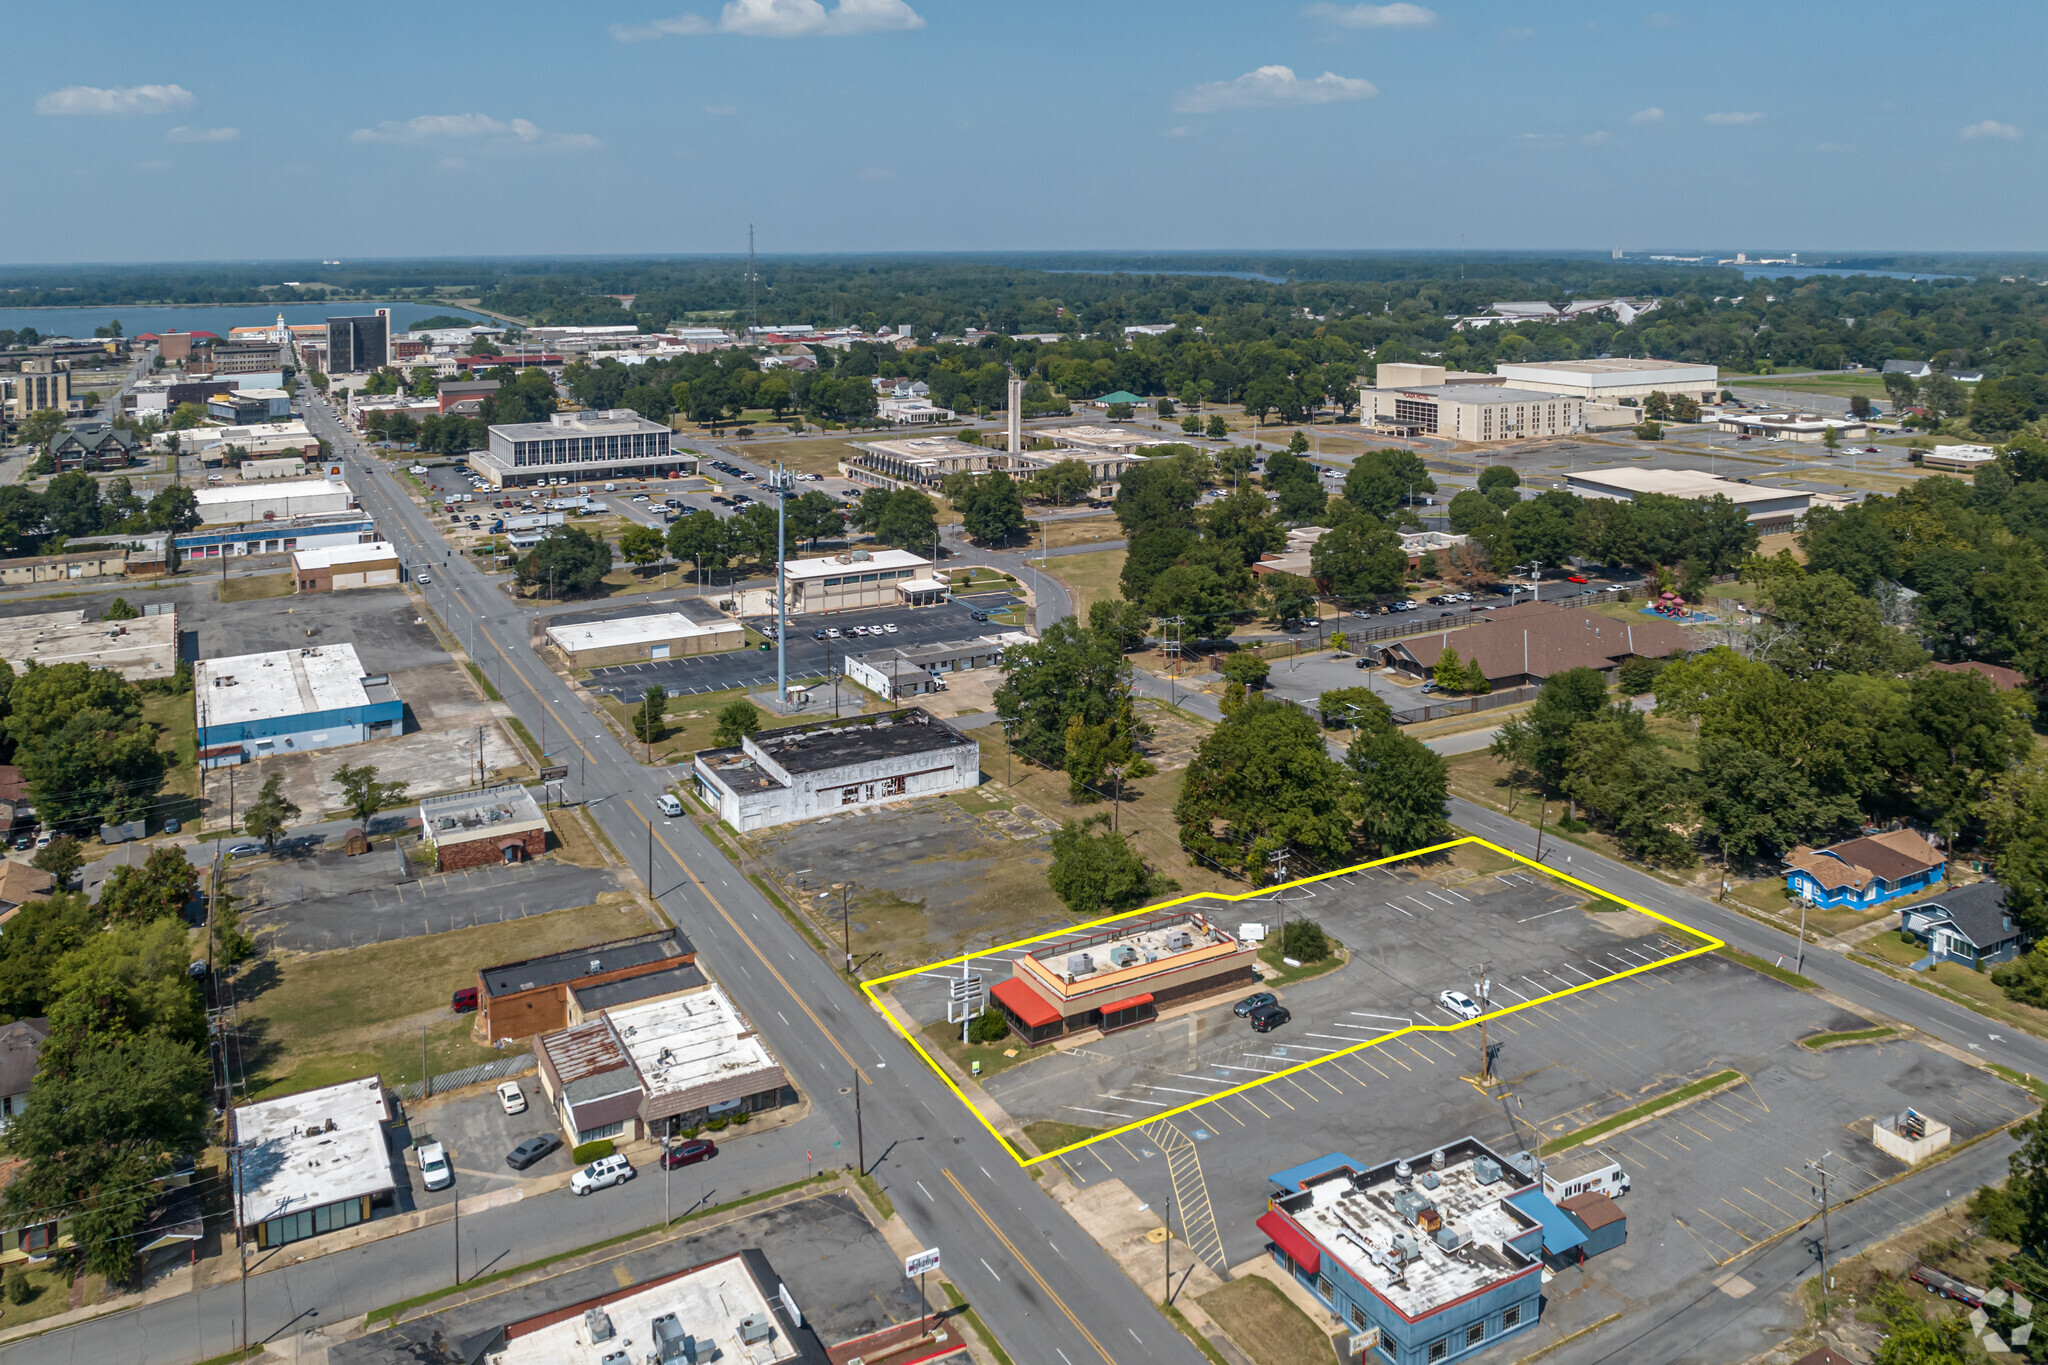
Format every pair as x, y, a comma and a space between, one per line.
1029, 1268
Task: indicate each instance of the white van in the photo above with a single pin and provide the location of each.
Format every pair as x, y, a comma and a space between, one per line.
669, 805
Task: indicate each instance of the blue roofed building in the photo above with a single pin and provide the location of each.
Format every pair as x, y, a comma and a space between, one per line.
288, 701
1426, 1260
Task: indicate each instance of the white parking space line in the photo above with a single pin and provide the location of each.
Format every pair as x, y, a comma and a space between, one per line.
1392, 906
1445, 899
1545, 915
1171, 1089
1502, 986
1131, 1099
1104, 1112
1466, 899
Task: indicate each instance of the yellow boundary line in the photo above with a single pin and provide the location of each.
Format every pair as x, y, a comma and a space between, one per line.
1710, 943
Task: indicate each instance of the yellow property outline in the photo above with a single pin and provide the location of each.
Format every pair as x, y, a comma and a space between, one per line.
872, 987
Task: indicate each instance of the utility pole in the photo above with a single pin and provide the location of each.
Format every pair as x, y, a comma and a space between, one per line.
458, 1238
1278, 859
846, 923
1822, 1171
650, 863
781, 578
753, 296
860, 1143
426, 1085
1483, 989
1168, 1244
1799, 958
1542, 809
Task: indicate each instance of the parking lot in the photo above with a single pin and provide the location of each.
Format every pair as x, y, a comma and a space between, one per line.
807, 658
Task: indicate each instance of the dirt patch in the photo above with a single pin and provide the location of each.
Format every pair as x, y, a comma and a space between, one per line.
255, 588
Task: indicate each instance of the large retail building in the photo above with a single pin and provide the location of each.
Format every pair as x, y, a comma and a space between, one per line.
1609, 381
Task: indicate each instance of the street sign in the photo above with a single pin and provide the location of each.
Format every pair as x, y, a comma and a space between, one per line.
921, 1263
553, 774
967, 997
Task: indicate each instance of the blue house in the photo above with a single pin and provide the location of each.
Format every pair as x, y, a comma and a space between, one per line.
1971, 924
1865, 871
1426, 1260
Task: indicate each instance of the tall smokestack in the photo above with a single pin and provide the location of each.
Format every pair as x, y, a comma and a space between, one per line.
1016, 446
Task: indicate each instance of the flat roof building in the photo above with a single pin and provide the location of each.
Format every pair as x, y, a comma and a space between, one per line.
312, 1162
1122, 975
289, 701
278, 535
581, 446
1473, 412
918, 670
919, 461
334, 568
233, 504
540, 994
358, 345
276, 467
862, 578
138, 649
774, 777
1769, 509
1793, 426
1610, 380
258, 439
626, 639
1963, 459
501, 824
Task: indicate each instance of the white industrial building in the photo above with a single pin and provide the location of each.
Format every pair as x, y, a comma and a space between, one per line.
138, 649
896, 674
1609, 381
1793, 426
312, 1162
862, 578
261, 438
1770, 509
625, 639
272, 500
774, 777
289, 701
1472, 412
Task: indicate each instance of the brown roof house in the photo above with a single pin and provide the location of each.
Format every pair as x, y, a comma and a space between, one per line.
2000, 677
1865, 871
1528, 643
20, 884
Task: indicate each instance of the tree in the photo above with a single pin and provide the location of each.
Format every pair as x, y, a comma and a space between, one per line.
82, 745
1832, 627
270, 812
1304, 941
120, 609
1069, 672
1164, 407
1619, 773
1402, 786
1064, 482
1126, 623
161, 888
174, 509
568, 560
1902, 391
1359, 559
2015, 811
1449, 673
736, 720
1217, 430
1262, 782
1289, 597
1859, 407
1649, 431
38, 935
1657, 407
72, 503
648, 720
1119, 412
1962, 734
1350, 707
1471, 510
1299, 486
990, 505
699, 538
1096, 874
1191, 424
642, 545
61, 857
40, 426
187, 416
1247, 668
1540, 740
812, 516
903, 517
362, 794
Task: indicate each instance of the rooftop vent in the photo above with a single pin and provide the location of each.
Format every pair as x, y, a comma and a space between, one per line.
754, 1328
597, 1325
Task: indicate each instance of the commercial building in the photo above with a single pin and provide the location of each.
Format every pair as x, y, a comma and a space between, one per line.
93, 445
289, 701
1121, 976
634, 1071
247, 407
464, 396
545, 994
502, 824
908, 412
279, 535
232, 504
774, 777
862, 578
625, 639
581, 447
240, 357
42, 383
1792, 426
138, 649
1472, 412
1609, 381
1769, 509
312, 1162
1865, 871
1960, 459
359, 345
1526, 644
339, 567
263, 438
920, 461
1424, 1260
1973, 925
276, 467
919, 670
61, 568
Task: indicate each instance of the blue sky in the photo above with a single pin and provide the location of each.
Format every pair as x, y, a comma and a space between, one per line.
141, 132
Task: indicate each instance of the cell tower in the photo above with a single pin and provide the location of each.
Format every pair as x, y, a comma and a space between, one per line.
753, 280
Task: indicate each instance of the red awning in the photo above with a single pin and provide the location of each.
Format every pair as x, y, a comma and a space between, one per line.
1129, 1004
1024, 1002
1289, 1239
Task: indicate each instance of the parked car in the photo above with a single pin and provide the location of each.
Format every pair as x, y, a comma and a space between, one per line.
1460, 1004
463, 1001
688, 1153
817, 635
1430, 687
1269, 1018
668, 804
24, 843
832, 633
979, 615
889, 627
244, 850
531, 1150
601, 1174
1575, 578
435, 1172
512, 1097
1258, 1001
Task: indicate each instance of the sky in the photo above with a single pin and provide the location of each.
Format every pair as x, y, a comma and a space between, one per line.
667, 126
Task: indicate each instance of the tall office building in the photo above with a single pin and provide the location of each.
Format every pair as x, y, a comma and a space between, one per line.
359, 345
42, 383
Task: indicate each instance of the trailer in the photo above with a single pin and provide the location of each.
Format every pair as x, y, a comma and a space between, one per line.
1579, 1172
1948, 1286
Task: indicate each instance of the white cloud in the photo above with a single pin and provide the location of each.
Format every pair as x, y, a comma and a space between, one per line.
783, 19
1651, 115
1269, 86
721, 110
184, 134
1374, 16
1990, 128
479, 131
1595, 139
127, 99
1732, 120
1517, 35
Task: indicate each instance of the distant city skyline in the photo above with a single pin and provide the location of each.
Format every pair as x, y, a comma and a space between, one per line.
131, 134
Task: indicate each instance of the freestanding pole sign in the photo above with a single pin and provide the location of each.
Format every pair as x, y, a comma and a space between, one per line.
918, 1265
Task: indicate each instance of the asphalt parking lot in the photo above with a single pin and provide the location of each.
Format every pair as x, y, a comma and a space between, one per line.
807, 658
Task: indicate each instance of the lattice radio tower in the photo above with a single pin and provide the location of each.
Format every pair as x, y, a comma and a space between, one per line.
753, 282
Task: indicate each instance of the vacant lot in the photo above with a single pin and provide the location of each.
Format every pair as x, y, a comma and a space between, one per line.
1062, 531
1265, 1326
820, 456
256, 587
1089, 577
1837, 385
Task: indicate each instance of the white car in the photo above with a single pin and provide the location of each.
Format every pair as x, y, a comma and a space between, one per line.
1460, 1004
512, 1097
832, 634
435, 1171
602, 1173
889, 626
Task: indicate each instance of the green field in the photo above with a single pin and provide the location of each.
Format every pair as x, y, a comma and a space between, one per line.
1837, 385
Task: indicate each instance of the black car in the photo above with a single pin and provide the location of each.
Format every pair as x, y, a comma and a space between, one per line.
688, 1153
1254, 1002
980, 615
531, 1150
1269, 1018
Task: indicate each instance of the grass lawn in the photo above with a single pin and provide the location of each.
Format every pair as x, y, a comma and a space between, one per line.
1482, 778
820, 456
945, 1037
1284, 975
1952, 980
691, 719
1839, 385
315, 1020
1075, 531
1089, 577
178, 737
1049, 1136
1266, 1325
50, 1293
254, 589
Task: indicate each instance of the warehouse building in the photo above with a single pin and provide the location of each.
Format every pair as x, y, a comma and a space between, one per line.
62, 568
544, 994
1770, 509
774, 777
263, 438
628, 639
1121, 976
312, 1162
232, 504
289, 701
502, 824
338, 567
1607, 381
277, 467
862, 578
583, 447
919, 670
280, 535
1472, 412
139, 649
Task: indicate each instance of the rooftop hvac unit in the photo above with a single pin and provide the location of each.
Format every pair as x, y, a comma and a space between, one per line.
1485, 1169
1406, 1248
1411, 1205
671, 1342
1080, 964
1123, 955
755, 1328
1180, 940
597, 1325
1436, 1159
1430, 1180
1525, 1162
1451, 1238
1404, 1173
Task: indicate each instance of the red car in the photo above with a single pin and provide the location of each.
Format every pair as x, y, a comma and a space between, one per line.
1575, 578
688, 1153
463, 1001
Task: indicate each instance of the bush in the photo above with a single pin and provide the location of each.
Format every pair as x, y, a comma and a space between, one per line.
989, 1027
718, 1125
1305, 942
593, 1151
1571, 824
19, 1290
2024, 979
1246, 668
1997, 1213
1639, 675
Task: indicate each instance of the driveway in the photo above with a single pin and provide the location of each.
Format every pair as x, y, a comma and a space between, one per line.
327, 900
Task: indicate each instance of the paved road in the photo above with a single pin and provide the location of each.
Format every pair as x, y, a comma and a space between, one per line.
1044, 1287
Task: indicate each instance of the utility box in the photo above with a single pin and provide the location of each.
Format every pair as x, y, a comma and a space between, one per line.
1910, 1135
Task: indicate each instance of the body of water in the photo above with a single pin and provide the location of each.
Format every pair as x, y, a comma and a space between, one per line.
1800, 272
80, 322
1224, 274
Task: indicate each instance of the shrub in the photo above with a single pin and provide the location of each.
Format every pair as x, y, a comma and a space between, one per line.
718, 1125
1571, 824
989, 1027
739, 1120
19, 1290
1639, 675
1305, 941
593, 1151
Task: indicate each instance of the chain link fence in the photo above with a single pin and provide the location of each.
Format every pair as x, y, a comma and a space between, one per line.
495, 1069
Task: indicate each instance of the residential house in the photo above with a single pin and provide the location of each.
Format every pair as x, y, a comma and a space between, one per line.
2000, 677
93, 445
20, 884
21, 1043
1865, 871
1970, 924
